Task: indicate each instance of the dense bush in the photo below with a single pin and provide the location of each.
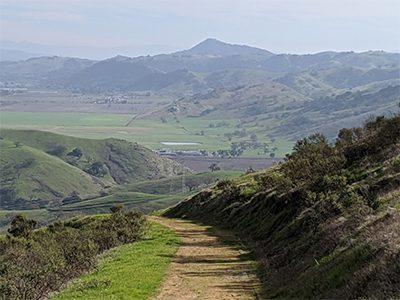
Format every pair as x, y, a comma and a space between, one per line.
35, 263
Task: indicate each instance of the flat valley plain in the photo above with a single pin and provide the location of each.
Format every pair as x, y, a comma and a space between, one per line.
129, 117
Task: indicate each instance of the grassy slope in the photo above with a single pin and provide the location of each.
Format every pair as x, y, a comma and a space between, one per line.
132, 271
332, 235
124, 161
174, 184
148, 196
39, 178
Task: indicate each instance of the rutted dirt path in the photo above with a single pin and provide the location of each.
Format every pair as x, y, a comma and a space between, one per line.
208, 265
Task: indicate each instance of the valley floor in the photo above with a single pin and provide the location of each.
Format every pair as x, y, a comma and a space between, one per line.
210, 264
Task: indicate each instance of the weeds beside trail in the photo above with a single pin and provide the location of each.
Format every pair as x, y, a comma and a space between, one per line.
132, 271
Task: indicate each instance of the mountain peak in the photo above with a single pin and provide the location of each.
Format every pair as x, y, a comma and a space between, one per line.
212, 46
211, 41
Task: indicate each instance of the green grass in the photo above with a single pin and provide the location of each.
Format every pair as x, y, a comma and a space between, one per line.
35, 175
173, 185
62, 119
125, 161
133, 271
131, 200
148, 132
150, 195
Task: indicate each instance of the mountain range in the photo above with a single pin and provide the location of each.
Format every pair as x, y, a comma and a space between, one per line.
208, 65
214, 78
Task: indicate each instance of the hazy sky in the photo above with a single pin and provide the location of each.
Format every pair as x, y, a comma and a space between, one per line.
105, 28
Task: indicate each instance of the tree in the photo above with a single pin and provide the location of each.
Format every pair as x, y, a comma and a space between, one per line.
21, 226
214, 167
191, 184
117, 209
272, 155
250, 170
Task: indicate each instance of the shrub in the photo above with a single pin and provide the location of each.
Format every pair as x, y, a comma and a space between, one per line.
34, 263
76, 152
21, 226
311, 160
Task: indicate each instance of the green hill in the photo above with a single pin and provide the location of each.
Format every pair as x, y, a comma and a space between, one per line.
111, 160
31, 178
39, 169
325, 223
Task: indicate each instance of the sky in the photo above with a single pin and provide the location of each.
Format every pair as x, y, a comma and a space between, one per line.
105, 28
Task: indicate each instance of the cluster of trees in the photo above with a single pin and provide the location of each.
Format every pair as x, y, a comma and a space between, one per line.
35, 262
218, 124
238, 148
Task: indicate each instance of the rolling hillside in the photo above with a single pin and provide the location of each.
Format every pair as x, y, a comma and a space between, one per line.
40, 169
146, 196
112, 160
32, 179
324, 224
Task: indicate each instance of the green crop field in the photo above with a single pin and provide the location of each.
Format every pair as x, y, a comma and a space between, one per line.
149, 132
132, 271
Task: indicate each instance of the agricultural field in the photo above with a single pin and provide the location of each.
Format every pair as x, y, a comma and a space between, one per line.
204, 134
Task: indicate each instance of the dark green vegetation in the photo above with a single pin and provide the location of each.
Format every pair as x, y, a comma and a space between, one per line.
325, 223
132, 271
37, 262
39, 169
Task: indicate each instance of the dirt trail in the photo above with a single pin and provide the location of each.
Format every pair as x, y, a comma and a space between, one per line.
208, 265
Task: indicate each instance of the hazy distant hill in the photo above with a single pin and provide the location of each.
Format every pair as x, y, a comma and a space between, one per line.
42, 71
210, 64
217, 48
16, 55
288, 94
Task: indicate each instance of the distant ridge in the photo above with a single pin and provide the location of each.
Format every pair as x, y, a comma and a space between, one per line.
16, 55
208, 65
